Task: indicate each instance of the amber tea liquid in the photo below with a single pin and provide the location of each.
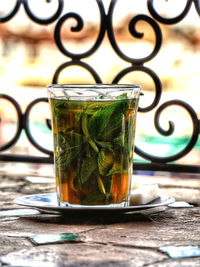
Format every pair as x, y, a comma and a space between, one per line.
93, 150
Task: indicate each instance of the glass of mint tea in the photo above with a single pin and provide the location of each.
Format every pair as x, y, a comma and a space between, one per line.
93, 135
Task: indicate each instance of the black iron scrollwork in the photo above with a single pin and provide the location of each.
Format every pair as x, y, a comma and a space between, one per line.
23, 123
136, 65
176, 19
44, 21
27, 129
191, 143
12, 13
76, 63
18, 110
31, 15
155, 78
76, 58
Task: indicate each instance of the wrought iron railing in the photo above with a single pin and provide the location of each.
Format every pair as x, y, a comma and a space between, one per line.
153, 19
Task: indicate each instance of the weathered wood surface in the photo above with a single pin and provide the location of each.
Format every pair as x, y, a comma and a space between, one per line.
130, 239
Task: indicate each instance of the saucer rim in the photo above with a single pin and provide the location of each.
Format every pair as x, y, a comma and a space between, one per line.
27, 201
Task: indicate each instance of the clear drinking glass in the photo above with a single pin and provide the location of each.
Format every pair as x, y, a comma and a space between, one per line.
93, 135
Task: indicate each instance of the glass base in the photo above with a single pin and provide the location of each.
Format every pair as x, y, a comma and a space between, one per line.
112, 205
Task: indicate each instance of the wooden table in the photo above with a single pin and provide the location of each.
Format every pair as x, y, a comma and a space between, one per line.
133, 239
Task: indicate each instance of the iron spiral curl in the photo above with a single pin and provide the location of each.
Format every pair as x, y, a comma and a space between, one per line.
171, 128
75, 62
31, 15
23, 124
135, 34
155, 78
78, 27
76, 57
27, 129
12, 13
173, 20
49, 20
20, 120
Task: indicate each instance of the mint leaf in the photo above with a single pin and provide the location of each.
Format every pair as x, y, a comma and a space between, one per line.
105, 144
58, 104
68, 147
107, 121
119, 141
122, 96
91, 109
116, 169
88, 167
64, 159
59, 140
107, 181
86, 132
105, 161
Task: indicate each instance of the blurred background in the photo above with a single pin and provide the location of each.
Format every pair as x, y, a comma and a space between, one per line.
29, 58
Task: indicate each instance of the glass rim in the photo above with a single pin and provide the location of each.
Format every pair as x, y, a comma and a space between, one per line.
95, 86
94, 92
